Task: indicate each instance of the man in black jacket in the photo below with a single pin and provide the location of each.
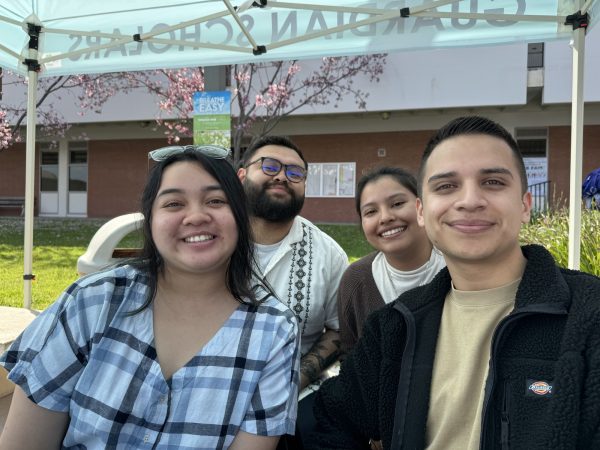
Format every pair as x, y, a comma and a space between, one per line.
500, 351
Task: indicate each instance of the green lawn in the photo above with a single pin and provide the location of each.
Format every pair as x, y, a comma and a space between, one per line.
57, 243
351, 239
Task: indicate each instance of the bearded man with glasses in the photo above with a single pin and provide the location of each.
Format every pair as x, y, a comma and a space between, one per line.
302, 264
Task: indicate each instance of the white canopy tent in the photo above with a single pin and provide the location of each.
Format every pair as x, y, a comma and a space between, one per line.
49, 38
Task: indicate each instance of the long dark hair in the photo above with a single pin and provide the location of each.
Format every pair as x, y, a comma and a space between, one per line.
240, 269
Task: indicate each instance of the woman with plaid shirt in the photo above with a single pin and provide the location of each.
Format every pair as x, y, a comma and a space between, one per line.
174, 350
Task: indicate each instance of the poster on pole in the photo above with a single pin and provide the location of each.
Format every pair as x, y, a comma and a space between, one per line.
536, 169
212, 118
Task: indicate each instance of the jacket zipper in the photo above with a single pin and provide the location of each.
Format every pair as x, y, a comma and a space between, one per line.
405, 375
505, 420
496, 340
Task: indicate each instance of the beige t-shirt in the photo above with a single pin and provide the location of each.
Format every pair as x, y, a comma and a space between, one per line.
461, 364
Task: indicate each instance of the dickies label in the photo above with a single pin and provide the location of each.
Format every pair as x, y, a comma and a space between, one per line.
539, 388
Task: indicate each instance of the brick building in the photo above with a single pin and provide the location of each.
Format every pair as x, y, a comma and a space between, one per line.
526, 91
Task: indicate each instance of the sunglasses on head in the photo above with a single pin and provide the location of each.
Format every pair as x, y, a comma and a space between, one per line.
272, 166
212, 151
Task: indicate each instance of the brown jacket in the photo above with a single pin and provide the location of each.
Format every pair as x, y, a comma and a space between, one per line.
358, 296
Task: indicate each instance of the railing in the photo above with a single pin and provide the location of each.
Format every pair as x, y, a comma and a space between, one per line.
539, 196
13, 203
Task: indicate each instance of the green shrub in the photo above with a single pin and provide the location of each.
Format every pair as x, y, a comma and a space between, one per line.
551, 229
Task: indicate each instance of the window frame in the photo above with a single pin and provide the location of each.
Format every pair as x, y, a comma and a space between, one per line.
348, 187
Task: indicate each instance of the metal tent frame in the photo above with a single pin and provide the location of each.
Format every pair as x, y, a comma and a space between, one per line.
46, 43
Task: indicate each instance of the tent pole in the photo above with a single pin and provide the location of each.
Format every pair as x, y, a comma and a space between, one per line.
32, 84
29, 187
577, 103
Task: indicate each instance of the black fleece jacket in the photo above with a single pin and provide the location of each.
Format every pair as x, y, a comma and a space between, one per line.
543, 385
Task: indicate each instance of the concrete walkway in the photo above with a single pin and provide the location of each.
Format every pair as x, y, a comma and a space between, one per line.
12, 322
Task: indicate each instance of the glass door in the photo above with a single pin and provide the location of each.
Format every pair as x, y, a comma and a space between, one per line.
48, 181
78, 179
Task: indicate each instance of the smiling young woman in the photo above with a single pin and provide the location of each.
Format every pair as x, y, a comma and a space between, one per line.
404, 256
175, 349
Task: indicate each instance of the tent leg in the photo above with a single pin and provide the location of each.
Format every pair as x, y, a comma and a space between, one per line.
576, 149
29, 187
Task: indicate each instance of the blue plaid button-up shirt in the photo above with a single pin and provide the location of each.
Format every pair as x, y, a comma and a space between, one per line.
86, 356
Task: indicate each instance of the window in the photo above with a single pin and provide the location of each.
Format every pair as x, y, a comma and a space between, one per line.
78, 167
532, 141
48, 169
331, 179
78, 157
535, 55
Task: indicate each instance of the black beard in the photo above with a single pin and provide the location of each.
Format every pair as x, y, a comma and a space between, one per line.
261, 205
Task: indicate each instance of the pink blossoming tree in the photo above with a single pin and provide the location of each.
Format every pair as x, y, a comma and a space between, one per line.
5, 131
266, 93
171, 88
262, 95
50, 121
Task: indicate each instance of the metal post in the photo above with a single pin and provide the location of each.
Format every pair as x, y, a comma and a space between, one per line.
29, 187
32, 76
576, 149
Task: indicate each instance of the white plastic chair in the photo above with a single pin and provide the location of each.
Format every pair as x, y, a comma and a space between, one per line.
101, 249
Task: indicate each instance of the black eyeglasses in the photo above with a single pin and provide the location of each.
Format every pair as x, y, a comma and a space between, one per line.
212, 151
272, 166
